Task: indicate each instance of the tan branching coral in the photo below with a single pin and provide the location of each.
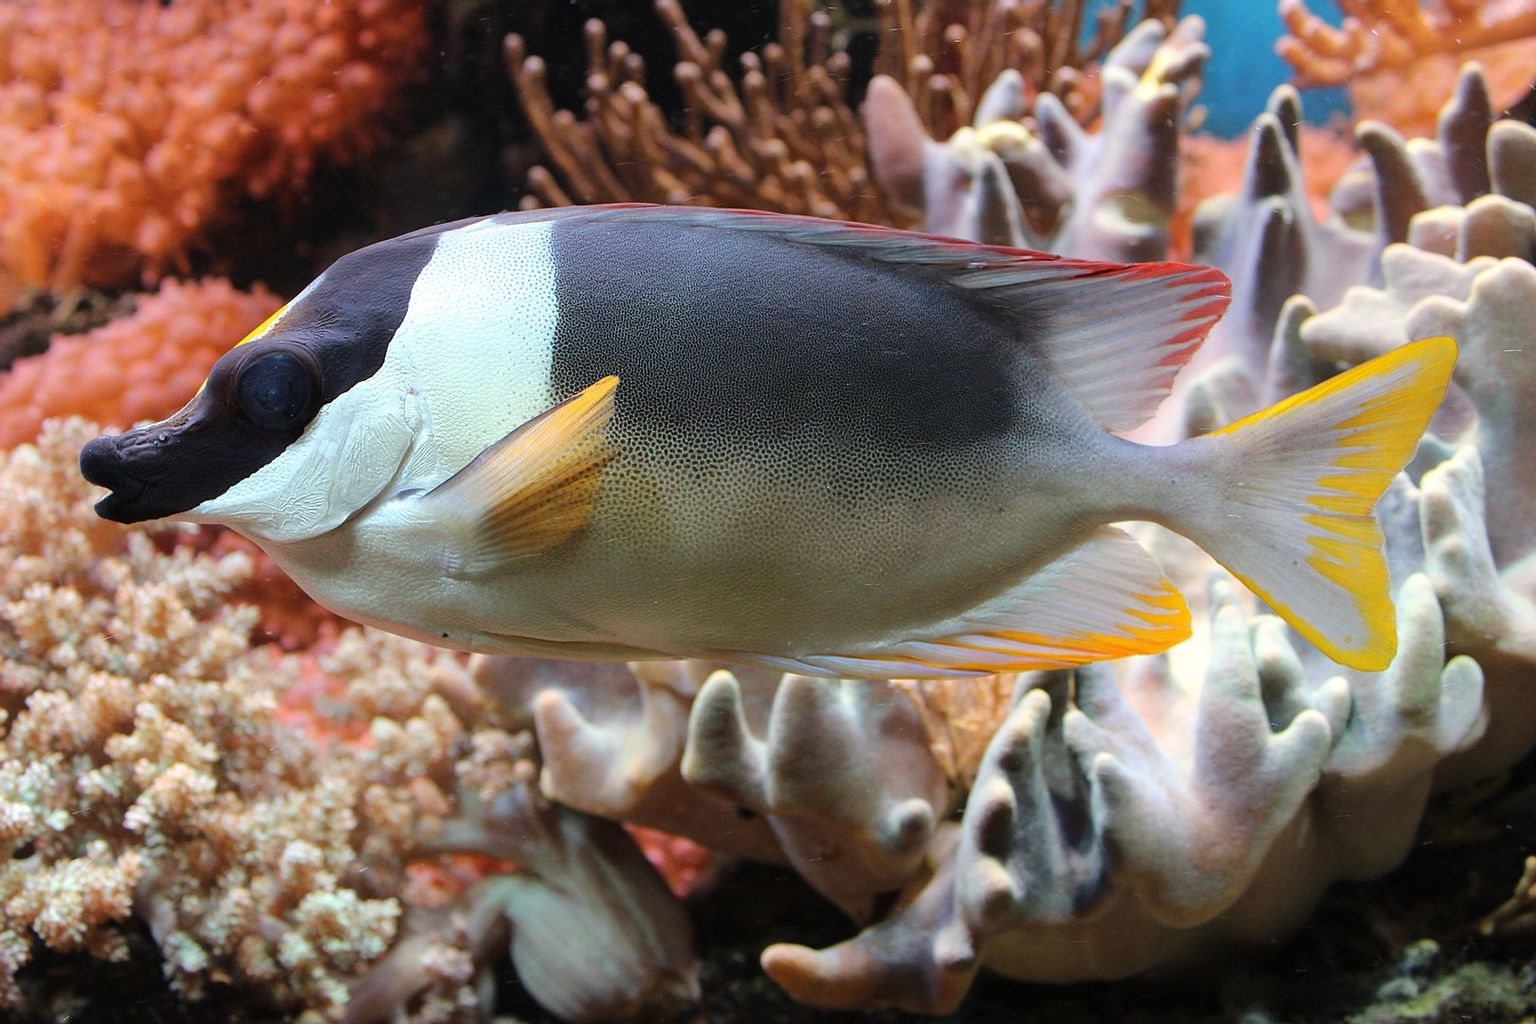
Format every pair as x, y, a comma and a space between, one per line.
946, 55
781, 137
128, 130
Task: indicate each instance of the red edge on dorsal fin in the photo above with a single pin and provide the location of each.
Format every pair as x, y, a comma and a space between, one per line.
825, 231
1116, 333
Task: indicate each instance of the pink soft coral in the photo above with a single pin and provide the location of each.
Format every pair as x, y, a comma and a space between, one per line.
144, 366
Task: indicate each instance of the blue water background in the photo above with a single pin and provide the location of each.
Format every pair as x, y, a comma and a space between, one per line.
1244, 67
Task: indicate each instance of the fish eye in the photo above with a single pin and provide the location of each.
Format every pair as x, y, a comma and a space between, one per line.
276, 390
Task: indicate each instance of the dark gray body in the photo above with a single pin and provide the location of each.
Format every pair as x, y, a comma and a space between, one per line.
805, 436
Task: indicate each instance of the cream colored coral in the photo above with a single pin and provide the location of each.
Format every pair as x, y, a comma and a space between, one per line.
144, 769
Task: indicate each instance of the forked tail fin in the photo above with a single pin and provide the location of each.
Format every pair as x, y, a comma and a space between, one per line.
1295, 488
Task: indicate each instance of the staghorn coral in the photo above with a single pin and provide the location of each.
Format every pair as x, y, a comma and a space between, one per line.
129, 130
1399, 56
783, 137
1394, 33
139, 367
946, 55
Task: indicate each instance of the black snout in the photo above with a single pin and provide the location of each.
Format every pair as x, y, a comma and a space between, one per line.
169, 468
102, 463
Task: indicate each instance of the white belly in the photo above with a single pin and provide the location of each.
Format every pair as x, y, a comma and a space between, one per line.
730, 560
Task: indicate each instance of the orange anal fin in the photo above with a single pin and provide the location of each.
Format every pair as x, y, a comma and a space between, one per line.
1105, 599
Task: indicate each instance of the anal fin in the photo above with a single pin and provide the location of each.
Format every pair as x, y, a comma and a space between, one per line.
1104, 599
529, 491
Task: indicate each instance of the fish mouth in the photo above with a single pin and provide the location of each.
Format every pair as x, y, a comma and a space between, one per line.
102, 463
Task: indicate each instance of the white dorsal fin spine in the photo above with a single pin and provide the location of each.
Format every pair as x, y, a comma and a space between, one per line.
1118, 334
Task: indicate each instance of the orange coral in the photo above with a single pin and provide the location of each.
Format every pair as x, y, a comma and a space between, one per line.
1401, 57
686, 865
144, 366
1409, 98
1211, 166
127, 129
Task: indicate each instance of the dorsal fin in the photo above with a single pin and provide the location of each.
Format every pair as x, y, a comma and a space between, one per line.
1117, 333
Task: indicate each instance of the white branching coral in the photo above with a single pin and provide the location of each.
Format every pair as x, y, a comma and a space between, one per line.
1107, 194
146, 770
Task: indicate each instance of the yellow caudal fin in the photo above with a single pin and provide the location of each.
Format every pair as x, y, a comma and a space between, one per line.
1292, 515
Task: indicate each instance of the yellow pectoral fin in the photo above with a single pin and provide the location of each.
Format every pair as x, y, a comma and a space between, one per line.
529, 491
